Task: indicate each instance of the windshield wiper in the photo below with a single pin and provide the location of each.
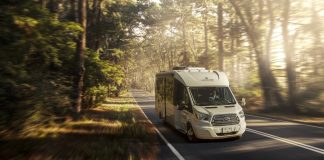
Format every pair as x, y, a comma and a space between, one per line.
203, 104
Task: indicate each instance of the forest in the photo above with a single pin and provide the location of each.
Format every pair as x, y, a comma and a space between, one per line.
60, 57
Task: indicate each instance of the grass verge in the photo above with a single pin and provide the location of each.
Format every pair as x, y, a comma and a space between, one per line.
114, 130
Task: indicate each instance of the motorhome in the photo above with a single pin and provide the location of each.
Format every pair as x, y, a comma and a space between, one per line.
198, 103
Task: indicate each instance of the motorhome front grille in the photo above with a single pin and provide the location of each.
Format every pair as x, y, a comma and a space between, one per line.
225, 119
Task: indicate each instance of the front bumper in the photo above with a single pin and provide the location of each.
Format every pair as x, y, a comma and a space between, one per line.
215, 132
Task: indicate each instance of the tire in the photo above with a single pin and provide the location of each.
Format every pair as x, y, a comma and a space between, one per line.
191, 134
161, 118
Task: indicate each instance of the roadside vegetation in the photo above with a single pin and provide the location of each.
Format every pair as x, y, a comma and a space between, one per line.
55, 63
114, 130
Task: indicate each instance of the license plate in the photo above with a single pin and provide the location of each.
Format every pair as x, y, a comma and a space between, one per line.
227, 130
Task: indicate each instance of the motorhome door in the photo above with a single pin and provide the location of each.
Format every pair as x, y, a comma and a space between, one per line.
184, 106
160, 97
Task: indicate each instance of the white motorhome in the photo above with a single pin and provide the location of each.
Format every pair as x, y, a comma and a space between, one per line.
199, 103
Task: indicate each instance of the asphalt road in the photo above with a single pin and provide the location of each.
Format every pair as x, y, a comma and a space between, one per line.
264, 139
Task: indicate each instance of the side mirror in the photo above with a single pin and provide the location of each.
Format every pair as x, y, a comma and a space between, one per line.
243, 102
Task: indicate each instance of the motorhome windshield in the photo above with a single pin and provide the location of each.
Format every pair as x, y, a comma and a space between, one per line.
205, 96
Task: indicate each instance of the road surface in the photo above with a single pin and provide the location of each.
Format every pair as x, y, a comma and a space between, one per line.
264, 139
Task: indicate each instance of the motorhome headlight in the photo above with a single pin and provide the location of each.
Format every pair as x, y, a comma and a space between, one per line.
241, 114
202, 116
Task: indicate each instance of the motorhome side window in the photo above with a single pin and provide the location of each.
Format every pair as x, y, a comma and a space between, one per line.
181, 95
159, 86
169, 89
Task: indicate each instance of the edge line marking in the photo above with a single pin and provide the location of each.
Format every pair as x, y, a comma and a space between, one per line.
298, 144
251, 115
174, 151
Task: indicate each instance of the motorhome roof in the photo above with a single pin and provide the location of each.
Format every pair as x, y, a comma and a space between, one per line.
188, 68
199, 77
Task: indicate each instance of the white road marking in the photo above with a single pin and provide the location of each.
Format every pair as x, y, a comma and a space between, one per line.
284, 120
298, 144
174, 151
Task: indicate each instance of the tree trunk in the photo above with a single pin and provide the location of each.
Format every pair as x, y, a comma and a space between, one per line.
316, 31
43, 3
206, 28
94, 17
290, 66
267, 55
80, 69
186, 59
72, 13
98, 27
220, 36
264, 60
52, 6
270, 32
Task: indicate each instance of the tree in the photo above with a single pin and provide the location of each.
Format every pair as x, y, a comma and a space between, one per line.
220, 36
206, 27
290, 66
79, 58
270, 32
185, 53
268, 82
316, 30
37, 55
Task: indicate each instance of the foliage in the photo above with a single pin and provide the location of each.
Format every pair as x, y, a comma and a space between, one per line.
102, 78
36, 54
